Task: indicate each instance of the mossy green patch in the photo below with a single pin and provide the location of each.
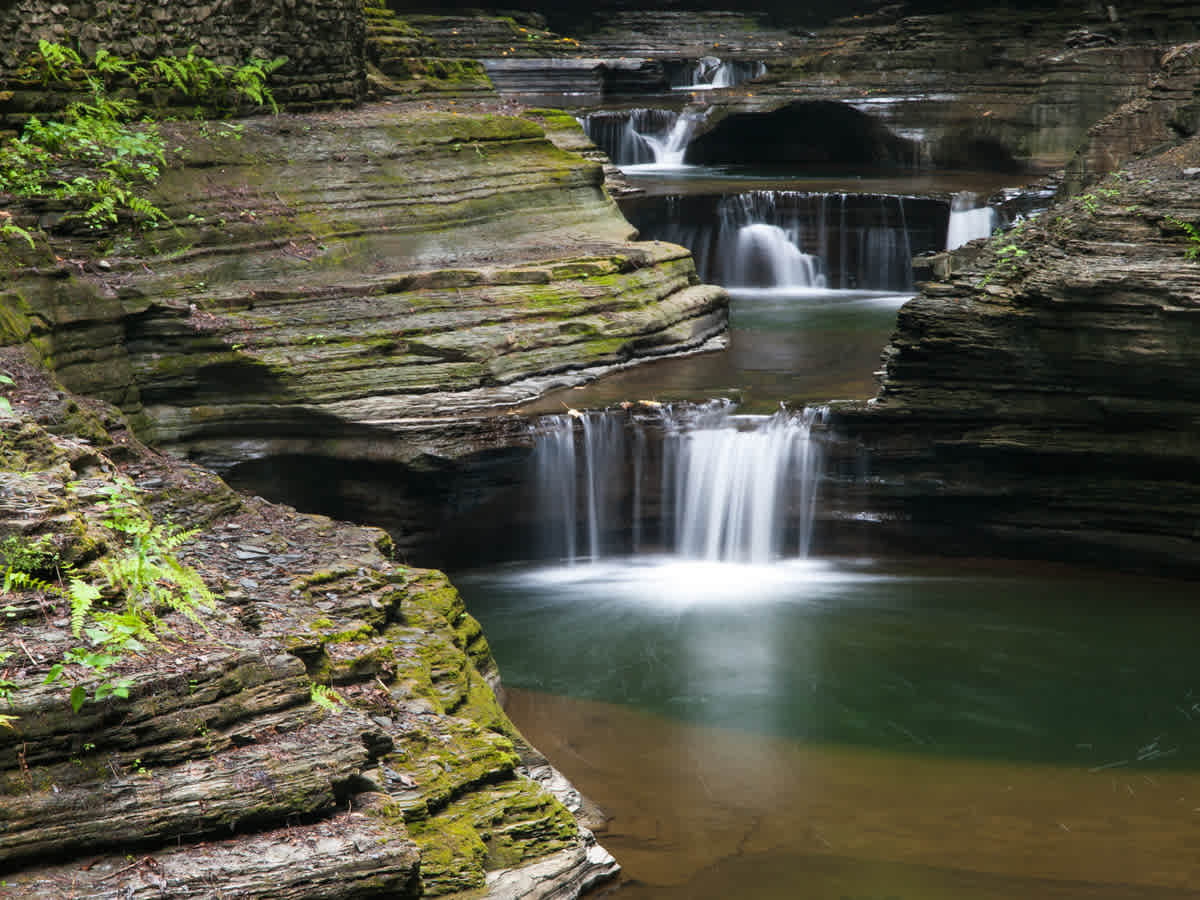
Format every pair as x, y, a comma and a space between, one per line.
499, 826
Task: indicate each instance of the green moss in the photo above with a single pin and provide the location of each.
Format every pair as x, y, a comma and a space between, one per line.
452, 857
498, 826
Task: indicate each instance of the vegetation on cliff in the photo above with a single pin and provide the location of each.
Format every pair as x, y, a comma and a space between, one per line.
103, 153
213, 745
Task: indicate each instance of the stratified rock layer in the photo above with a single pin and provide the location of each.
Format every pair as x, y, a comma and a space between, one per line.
330, 276
219, 775
1045, 399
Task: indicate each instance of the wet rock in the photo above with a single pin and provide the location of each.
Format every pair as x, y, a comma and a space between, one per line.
395, 268
1045, 404
220, 768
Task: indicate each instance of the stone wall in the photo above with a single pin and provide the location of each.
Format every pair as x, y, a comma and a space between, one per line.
322, 41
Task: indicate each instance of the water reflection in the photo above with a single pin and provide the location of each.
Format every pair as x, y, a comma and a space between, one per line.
945, 664
806, 346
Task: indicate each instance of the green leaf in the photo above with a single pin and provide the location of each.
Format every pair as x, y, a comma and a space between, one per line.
78, 696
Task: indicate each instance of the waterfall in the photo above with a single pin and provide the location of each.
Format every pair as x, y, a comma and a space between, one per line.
968, 220
766, 256
727, 487
790, 238
710, 72
643, 137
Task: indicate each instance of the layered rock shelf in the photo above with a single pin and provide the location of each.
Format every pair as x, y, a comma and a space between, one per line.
1042, 399
219, 767
357, 275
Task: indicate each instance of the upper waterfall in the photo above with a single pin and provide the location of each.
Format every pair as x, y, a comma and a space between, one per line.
782, 238
649, 138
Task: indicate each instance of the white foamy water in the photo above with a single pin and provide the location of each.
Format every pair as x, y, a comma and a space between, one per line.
968, 220
711, 485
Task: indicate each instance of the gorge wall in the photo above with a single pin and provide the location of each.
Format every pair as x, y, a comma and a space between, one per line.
219, 773
361, 282
1042, 401
376, 288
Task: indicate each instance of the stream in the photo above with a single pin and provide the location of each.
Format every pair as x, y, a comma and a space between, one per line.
759, 723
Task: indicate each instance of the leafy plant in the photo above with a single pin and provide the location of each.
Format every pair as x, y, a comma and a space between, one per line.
99, 157
1091, 200
150, 578
1193, 234
38, 555
326, 697
9, 228
5, 406
6, 690
1007, 257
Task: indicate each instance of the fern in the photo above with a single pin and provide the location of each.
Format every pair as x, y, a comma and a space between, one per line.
82, 595
149, 576
97, 157
57, 60
326, 697
1193, 249
16, 579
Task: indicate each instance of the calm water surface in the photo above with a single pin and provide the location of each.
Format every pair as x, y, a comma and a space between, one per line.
803, 346
862, 729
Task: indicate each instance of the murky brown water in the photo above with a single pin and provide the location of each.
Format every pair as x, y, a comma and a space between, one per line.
704, 813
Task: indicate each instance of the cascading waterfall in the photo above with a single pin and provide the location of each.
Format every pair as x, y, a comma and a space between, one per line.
643, 137
968, 220
723, 487
710, 72
794, 238
767, 256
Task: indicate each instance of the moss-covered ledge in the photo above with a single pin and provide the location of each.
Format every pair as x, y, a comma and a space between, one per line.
353, 271
219, 764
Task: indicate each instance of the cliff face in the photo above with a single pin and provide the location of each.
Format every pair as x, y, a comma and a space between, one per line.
986, 87
219, 774
348, 278
1044, 399
1168, 111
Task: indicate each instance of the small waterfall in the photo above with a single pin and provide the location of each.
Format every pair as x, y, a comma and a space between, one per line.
792, 238
968, 220
643, 137
710, 72
726, 487
767, 256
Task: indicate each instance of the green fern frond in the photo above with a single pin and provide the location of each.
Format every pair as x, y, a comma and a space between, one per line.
82, 595
14, 578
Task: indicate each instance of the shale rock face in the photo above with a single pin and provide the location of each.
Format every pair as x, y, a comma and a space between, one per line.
1168, 111
219, 775
1044, 399
989, 87
348, 277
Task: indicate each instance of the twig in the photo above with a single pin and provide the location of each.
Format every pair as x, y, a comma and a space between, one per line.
132, 865
21, 644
